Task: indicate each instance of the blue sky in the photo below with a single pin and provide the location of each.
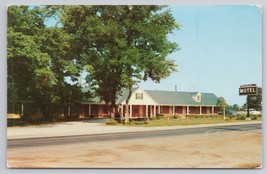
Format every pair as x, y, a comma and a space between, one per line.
221, 49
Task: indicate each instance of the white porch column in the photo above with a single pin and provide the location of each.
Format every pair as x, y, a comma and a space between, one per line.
200, 110
154, 110
89, 110
159, 109
146, 110
22, 109
187, 110
122, 110
173, 110
130, 111
212, 110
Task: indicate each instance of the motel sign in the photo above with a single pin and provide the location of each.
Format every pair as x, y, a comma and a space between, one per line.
250, 89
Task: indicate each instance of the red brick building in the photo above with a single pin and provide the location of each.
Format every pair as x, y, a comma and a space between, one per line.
149, 103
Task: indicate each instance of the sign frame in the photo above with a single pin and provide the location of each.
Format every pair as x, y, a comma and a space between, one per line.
248, 90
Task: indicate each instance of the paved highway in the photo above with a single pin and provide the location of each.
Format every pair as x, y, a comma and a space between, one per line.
16, 143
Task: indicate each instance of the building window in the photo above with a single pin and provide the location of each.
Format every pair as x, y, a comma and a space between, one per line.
139, 96
198, 98
161, 109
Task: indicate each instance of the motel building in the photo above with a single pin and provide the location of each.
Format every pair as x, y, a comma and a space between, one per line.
149, 103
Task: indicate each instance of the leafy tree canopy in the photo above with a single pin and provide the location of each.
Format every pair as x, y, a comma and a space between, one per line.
221, 104
255, 101
121, 45
117, 46
38, 61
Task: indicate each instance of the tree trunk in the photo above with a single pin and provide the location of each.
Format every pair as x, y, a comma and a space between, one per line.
127, 106
46, 113
107, 108
112, 109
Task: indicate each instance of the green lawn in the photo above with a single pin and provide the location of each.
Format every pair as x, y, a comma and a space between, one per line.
190, 121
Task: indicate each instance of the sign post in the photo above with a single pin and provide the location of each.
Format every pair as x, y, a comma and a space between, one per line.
247, 106
250, 90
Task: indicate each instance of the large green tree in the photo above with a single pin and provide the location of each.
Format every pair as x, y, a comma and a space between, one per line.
27, 64
38, 62
56, 43
121, 45
116, 45
255, 101
222, 104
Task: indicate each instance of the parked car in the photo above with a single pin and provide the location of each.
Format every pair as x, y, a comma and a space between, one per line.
230, 112
253, 112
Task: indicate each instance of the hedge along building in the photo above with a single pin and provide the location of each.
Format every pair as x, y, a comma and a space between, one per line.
149, 103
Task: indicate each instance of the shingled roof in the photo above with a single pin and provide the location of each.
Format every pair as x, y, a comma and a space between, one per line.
170, 97
181, 98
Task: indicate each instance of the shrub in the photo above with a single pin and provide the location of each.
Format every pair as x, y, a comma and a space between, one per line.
111, 122
15, 122
213, 116
254, 117
139, 122
230, 116
227, 119
37, 120
202, 116
120, 120
176, 117
240, 117
159, 117
152, 118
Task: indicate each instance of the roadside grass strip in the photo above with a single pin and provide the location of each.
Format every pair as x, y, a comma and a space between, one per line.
190, 120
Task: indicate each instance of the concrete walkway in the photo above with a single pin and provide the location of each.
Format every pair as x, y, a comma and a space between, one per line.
89, 127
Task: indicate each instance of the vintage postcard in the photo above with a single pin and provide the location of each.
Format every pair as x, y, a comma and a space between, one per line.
134, 86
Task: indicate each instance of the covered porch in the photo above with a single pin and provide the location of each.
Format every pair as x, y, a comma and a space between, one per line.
186, 110
139, 111
153, 110
136, 111
93, 110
